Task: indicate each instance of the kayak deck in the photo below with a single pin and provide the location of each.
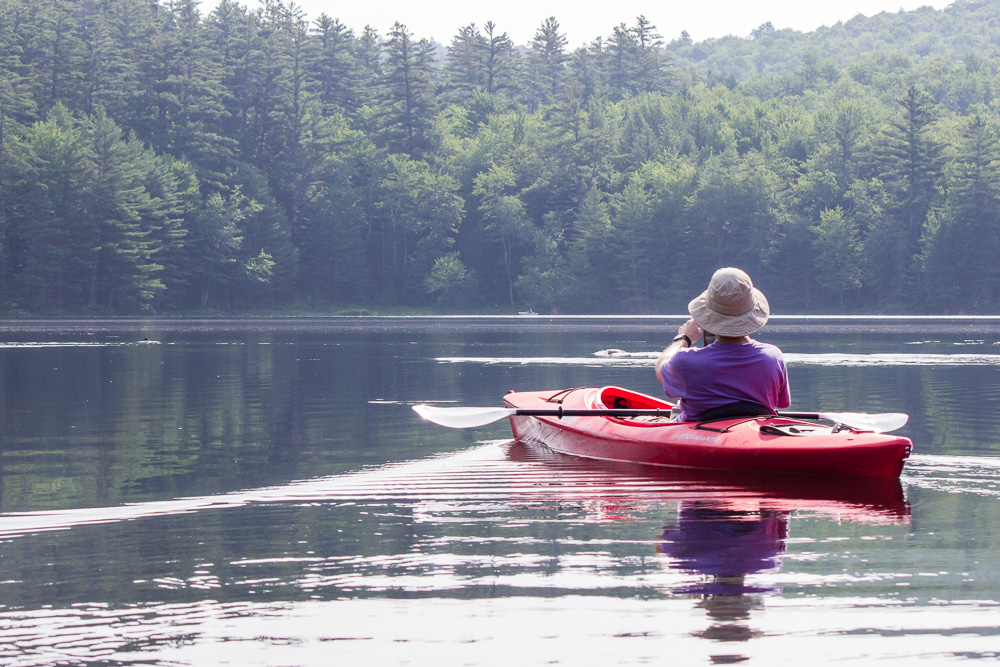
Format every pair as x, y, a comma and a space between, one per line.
771, 443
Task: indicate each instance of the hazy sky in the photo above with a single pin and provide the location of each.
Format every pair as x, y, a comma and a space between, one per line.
581, 22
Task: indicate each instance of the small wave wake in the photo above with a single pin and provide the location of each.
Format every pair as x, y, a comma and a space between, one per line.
616, 357
978, 475
504, 471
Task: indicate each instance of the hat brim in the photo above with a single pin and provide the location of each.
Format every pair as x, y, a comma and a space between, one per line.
730, 325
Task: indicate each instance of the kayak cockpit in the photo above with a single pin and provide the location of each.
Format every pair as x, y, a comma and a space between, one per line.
624, 399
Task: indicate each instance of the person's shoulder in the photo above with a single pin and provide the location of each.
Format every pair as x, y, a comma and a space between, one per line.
684, 356
768, 348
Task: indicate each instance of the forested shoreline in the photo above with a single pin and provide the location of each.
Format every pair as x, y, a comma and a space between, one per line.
154, 158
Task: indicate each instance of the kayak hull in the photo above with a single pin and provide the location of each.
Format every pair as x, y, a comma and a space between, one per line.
746, 443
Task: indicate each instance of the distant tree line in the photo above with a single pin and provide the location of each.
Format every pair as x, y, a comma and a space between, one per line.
152, 158
964, 28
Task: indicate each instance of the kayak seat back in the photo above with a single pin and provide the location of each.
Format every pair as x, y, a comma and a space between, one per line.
619, 398
734, 411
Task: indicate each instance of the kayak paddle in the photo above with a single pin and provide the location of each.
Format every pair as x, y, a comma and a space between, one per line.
466, 417
881, 422
472, 417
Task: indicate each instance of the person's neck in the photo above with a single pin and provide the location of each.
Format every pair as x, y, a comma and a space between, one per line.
733, 340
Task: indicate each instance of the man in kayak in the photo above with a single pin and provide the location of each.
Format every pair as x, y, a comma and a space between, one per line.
735, 375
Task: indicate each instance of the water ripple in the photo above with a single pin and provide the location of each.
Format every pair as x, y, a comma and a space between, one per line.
978, 475
511, 472
573, 630
583, 541
622, 358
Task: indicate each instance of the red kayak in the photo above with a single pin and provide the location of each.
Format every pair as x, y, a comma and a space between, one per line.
771, 444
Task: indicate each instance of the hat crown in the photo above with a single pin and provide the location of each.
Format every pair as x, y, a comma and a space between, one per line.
731, 306
730, 292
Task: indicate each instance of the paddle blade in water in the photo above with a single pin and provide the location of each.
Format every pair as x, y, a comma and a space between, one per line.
462, 417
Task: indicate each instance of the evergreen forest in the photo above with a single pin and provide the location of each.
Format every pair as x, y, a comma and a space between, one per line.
160, 156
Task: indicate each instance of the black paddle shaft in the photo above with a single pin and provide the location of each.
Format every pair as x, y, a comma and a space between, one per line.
626, 412
592, 412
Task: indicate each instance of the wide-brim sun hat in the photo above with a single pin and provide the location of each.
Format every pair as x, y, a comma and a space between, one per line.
731, 306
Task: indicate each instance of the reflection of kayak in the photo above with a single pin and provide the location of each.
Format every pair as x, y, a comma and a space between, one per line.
618, 490
773, 444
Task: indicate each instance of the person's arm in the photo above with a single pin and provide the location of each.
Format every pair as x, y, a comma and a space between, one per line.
784, 392
693, 333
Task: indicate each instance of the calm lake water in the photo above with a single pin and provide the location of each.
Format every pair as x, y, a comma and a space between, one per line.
259, 492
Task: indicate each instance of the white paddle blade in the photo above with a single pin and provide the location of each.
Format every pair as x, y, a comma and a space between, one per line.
877, 423
462, 417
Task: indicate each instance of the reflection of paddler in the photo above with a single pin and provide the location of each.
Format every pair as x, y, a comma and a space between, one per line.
726, 545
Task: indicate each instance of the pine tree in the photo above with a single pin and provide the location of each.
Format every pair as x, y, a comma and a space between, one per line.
655, 71
193, 85
17, 110
334, 67
124, 272
912, 160
547, 63
298, 117
501, 64
108, 71
278, 75
587, 78
52, 238
838, 258
961, 242
57, 56
590, 256
634, 60
620, 63
505, 217
368, 51
408, 92
464, 63
234, 34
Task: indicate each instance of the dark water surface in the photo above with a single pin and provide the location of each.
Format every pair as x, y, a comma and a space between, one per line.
258, 492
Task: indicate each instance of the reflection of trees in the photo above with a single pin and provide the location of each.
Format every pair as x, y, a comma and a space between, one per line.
110, 421
726, 546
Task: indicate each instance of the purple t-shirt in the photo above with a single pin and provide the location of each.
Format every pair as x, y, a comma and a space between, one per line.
705, 378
